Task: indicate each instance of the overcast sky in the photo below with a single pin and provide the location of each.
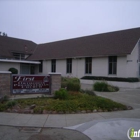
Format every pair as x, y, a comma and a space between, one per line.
50, 20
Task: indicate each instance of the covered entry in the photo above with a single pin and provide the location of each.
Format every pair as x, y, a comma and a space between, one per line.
28, 69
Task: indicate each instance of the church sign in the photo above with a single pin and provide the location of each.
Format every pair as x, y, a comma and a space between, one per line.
30, 84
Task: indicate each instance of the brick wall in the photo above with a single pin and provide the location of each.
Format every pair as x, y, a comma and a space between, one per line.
55, 82
5, 83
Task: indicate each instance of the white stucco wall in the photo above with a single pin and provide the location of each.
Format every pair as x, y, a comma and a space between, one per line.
4, 66
121, 66
46, 67
79, 65
132, 63
99, 67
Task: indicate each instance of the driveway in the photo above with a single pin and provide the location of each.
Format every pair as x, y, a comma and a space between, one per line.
115, 125
130, 97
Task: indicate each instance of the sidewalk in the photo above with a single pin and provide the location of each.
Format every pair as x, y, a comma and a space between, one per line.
110, 125
97, 126
62, 120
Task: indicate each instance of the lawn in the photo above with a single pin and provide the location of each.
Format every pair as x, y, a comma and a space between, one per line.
76, 102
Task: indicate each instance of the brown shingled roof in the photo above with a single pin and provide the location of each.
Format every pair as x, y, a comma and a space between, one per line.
112, 43
9, 45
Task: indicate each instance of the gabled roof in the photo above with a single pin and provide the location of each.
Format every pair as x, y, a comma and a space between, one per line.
106, 44
9, 45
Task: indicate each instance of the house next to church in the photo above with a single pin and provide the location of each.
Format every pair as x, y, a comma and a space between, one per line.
113, 54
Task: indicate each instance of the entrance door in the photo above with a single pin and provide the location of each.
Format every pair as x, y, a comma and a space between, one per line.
27, 69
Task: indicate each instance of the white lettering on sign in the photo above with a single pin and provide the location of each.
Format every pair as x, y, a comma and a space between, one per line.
23, 78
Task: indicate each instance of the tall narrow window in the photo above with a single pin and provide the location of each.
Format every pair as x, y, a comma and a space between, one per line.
112, 64
53, 65
88, 65
40, 66
69, 65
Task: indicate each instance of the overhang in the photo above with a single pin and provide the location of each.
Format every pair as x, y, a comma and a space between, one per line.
19, 61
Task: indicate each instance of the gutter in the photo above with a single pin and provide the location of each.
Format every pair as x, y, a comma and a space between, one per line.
19, 61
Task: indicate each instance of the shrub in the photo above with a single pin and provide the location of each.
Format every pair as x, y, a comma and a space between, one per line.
100, 86
103, 86
38, 110
72, 84
3, 107
4, 99
119, 79
11, 103
61, 94
13, 70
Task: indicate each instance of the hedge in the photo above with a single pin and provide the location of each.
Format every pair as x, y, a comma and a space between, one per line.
119, 79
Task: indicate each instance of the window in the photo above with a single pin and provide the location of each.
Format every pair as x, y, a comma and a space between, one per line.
27, 69
69, 65
53, 65
88, 65
19, 56
40, 66
112, 64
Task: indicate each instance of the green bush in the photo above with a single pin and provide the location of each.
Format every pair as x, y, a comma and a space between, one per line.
100, 86
72, 84
4, 99
61, 94
13, 70
11, 103
38, 110
119, 79
103, 86
3, 107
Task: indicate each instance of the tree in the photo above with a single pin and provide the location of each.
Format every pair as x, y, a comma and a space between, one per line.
3, 34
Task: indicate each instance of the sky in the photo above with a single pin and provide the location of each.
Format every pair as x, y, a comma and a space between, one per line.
45, 21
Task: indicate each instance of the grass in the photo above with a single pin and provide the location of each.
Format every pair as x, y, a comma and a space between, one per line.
75, 102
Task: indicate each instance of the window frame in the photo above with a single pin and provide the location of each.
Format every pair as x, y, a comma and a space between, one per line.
112, 65
69, 65
41, 66
53, 65
88, 65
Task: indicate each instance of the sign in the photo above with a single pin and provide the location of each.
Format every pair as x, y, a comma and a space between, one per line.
131, 133
30, 84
